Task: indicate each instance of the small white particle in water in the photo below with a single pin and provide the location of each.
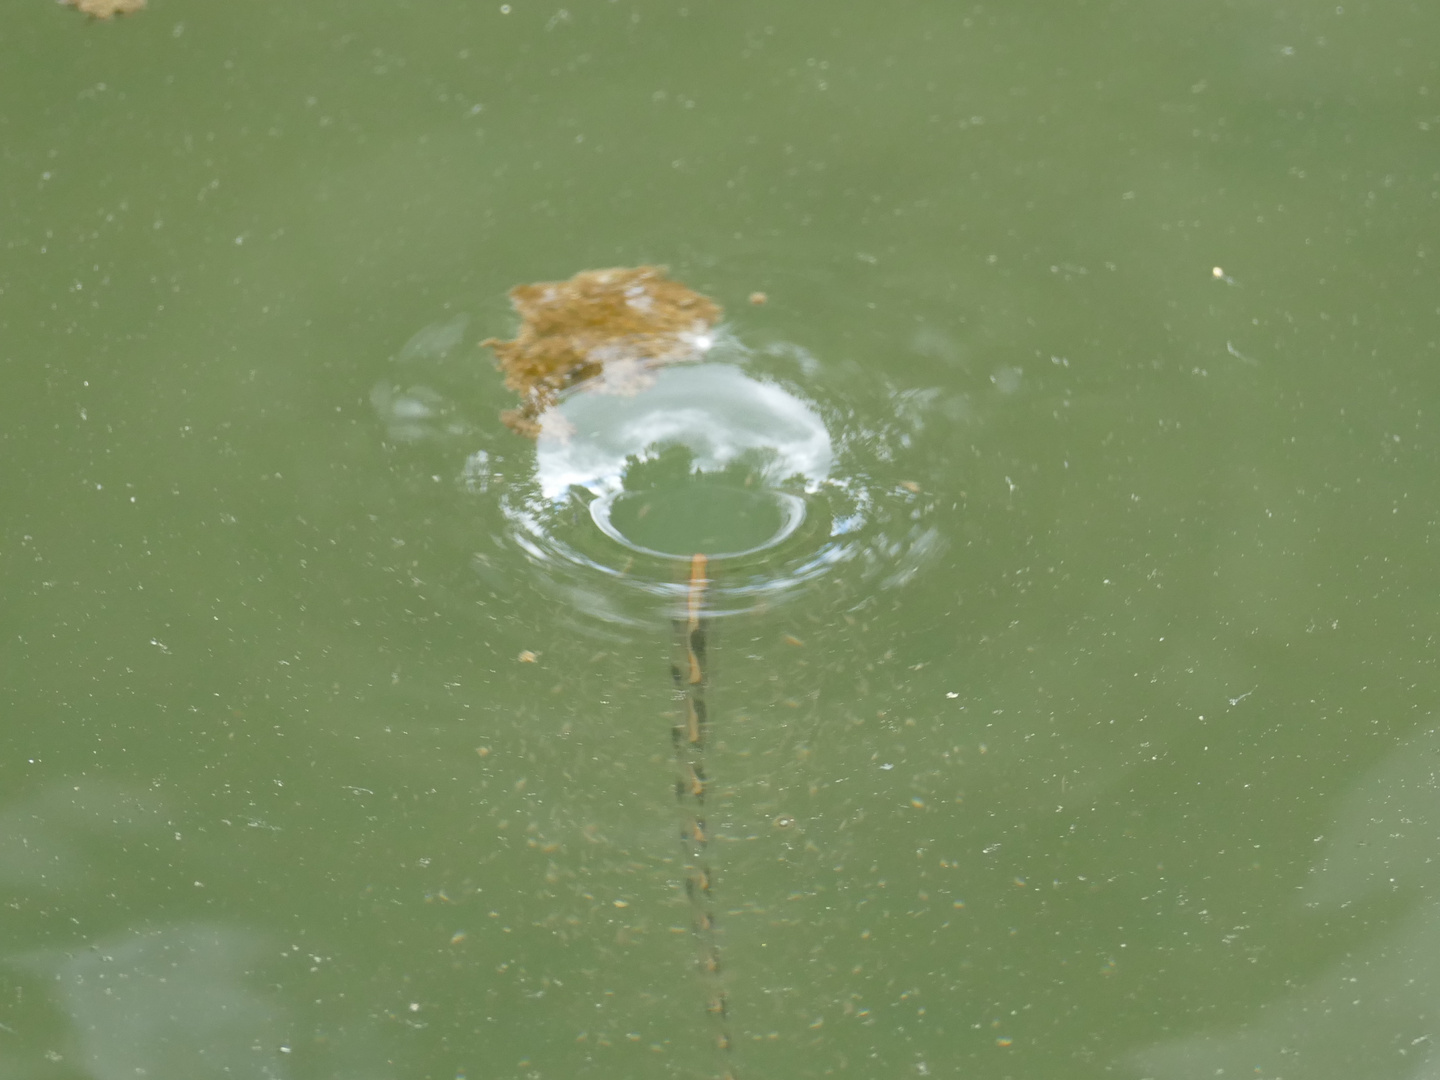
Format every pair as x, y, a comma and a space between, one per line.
504, 9
887, 766
414, 1006
951, 694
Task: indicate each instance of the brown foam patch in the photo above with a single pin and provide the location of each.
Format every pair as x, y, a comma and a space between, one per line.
616, 323
105, 9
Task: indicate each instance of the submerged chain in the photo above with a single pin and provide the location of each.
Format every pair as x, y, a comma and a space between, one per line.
689, 735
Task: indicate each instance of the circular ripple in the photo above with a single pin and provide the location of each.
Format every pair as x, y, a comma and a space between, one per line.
636, 474
781, 486
687, 459
721, 521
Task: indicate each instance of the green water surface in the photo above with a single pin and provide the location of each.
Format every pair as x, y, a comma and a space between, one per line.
1105, 744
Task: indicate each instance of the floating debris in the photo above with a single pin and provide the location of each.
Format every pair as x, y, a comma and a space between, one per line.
619, 322
105, 9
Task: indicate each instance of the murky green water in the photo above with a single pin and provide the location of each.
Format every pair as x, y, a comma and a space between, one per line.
1088, 730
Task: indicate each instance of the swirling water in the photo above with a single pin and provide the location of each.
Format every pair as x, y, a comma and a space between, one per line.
778, 488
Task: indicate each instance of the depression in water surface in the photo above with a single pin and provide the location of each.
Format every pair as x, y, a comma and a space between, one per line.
705, 460
659, 433
706, 457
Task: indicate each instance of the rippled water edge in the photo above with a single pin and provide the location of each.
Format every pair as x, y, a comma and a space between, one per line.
867, 519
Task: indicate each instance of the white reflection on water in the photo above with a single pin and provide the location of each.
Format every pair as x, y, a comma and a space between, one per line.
837, 454
170, 1002
716, 410
1386, 835
42, 839
727, 426
156, 1001
417, 412
120, 994
1371, 1015
436, 341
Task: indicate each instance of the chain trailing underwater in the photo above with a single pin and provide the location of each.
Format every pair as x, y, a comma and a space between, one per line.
689, 734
